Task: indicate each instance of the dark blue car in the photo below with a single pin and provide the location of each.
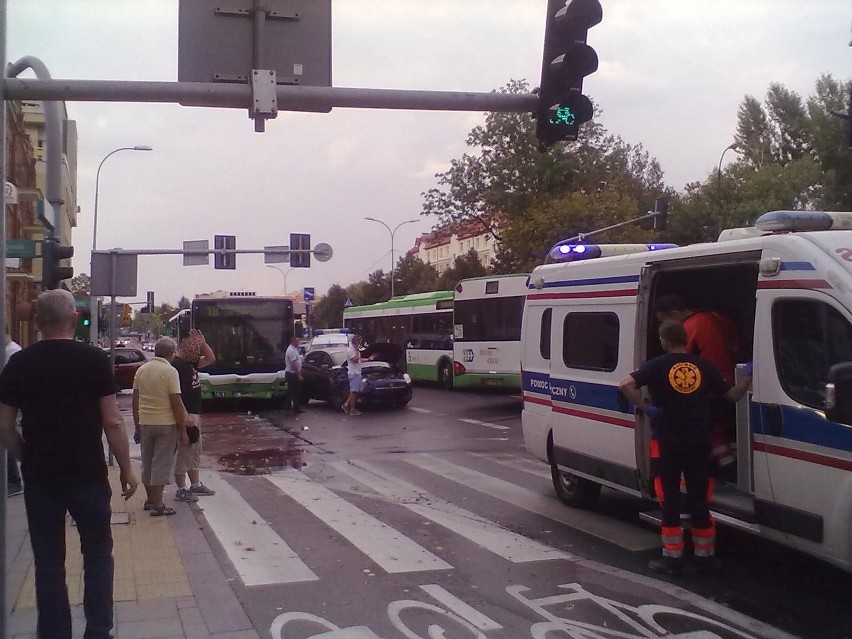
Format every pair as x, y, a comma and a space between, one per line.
326, 378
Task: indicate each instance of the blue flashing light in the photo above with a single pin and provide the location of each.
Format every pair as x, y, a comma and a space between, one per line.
661, 247
568, 252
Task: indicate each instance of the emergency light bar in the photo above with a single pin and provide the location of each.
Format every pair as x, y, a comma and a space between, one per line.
572, 252
332, 331
779, 221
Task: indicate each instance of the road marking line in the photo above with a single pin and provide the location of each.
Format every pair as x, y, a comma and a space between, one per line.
531, 466
259, 555
419, 410
463, 610
606, 528
484, 533
387, 547
481, 423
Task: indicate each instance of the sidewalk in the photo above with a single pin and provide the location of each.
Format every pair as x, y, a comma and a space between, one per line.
168, 583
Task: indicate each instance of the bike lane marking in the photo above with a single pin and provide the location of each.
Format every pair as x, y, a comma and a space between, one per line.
624, 535
463, 610
258, 554
484, 533
387, 547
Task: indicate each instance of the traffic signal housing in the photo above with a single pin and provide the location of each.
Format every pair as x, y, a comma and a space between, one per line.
300, 250
52, 271
227, 261
661, 208
567, 59
149, 305
84, 324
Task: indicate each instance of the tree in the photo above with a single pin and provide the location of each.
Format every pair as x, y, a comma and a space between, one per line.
413, 275
80, 286
184, 302
507, 174
375, 289
464, 266
149, 323
328, 311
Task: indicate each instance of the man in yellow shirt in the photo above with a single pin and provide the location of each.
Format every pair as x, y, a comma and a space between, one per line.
161, 420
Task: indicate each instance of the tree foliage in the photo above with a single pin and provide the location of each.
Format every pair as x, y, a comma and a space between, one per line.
328, 311
80, 286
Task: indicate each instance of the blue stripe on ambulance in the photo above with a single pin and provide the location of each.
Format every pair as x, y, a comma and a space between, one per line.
621, 279
586, 394
805, 425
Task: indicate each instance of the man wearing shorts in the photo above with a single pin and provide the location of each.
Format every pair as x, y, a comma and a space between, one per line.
160, 420
193, 353
353, 357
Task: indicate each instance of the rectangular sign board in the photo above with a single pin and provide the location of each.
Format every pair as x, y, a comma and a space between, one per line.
102, 275
20, 248
197, 259
276, 254
216, 41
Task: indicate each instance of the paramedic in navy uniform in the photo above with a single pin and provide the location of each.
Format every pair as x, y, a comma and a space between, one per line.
681, 387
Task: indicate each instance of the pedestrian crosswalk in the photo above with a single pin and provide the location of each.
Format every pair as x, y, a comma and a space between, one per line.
261, 555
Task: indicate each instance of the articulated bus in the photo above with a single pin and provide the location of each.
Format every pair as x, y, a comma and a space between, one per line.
487, 313
248, 335
421, 324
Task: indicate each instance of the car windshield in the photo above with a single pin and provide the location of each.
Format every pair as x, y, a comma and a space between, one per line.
376, 364
338, 357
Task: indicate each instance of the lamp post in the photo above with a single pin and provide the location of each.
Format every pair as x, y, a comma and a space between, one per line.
392, 233
282, 273
93, 302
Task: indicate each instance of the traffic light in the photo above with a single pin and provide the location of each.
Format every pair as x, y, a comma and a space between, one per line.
300, 250
661, 208
149, 307
567, 59
126, 315
84, 325
226, 261
52, 272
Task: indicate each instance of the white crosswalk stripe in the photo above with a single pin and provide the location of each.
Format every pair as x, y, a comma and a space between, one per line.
387, 547
479, 422
258, 554
616, 532
486, 534
531, 466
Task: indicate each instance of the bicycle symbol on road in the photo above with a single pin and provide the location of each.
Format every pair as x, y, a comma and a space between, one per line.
603, 618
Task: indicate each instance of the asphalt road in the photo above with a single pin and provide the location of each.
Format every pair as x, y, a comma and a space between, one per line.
385, 524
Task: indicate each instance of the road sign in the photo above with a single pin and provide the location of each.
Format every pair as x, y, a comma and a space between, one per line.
323, 252
308, 294
199, 259
348, 302
10, 193
226, 261
20, 248
125, 274
276, 254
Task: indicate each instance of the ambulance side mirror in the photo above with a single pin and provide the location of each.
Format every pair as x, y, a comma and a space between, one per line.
838, 394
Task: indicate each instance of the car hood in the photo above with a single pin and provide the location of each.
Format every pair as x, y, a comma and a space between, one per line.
390, 353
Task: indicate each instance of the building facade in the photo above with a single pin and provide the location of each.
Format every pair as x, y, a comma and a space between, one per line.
442, 246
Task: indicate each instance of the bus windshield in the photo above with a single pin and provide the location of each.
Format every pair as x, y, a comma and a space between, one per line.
247, 335
489, 320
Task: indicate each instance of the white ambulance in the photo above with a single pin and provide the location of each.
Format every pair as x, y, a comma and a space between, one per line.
787, 284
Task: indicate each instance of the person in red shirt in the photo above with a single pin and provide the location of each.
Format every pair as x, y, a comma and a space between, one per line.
714, 338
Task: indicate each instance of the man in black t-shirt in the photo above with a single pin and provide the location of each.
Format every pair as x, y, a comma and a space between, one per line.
193, 353
65, 392
682, 386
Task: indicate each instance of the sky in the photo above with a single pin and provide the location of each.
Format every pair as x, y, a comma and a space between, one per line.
672, 74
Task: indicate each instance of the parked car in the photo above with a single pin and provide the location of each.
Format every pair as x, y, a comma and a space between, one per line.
325, 373
127, 362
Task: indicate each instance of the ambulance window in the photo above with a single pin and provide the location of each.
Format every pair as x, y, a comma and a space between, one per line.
544, 337
810, 337
590, 341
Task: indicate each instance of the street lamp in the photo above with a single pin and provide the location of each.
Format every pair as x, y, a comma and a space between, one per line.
392, 233
282, 273
93, 303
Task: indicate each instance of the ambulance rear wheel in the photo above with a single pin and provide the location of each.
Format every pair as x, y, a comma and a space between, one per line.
574, 491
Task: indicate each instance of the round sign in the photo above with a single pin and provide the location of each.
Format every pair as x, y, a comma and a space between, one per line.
323, 252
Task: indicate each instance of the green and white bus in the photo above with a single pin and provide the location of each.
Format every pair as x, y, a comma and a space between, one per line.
487, 313
248, 335
421, 324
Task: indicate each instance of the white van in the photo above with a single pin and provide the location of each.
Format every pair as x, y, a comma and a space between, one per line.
787, 284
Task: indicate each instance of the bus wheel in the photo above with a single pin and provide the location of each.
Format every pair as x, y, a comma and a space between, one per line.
445, 376
574, 491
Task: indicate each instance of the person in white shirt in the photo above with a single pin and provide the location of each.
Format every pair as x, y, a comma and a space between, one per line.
354, 359
293, 376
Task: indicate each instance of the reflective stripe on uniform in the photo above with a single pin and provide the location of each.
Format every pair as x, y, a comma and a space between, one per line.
672, 541
704, 541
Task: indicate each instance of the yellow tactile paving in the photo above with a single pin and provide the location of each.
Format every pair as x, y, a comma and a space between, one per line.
147, 562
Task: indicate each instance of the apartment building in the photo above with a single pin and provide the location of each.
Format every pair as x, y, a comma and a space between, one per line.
442, 246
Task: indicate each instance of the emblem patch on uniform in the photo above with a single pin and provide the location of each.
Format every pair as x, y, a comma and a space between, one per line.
685, 377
